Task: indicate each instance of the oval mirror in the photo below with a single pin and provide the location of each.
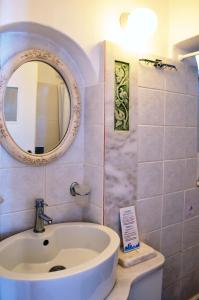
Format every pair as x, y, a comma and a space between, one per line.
40, 107
38, 124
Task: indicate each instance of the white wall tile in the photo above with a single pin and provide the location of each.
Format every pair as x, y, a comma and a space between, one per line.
191, 111
7, 161
174, 175
191, 203
190, 285
173, 291
191, 142
69, 212
150, 107
191, 232
176, 81
150, 179
150, 143
19, 187
94, 177
172, 269
16, 222
93, 214
190, 260
180, 142
173, 208
94, 145
152, 239
175, 141
94, 104
175, 113
191, 173
180, 110
149, 214
150, 77
171, 239
58, 181
75, 153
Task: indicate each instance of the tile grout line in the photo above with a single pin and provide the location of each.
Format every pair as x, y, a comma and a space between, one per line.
167, 91
50, 206
163, 166
183, 223
168, 160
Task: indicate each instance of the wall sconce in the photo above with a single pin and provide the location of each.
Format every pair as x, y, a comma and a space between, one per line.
139, 25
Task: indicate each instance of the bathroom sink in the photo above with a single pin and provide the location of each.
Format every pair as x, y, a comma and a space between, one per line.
69, 261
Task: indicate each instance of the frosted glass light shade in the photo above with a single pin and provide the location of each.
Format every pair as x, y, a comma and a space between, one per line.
141, 22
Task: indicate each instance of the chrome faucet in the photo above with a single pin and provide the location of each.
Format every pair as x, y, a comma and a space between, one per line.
40, 216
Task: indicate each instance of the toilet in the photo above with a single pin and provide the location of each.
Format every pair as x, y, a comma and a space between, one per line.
139, 275
148, 287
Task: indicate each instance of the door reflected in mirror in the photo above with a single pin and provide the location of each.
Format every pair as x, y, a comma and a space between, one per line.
37, 107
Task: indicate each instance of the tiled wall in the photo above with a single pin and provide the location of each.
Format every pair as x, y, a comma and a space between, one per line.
167, 197
21, 184
94, 151
167, 200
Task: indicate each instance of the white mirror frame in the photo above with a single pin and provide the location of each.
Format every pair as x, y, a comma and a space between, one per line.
35, 54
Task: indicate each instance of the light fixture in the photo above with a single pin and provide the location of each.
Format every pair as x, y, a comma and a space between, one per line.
158, 64
141, 23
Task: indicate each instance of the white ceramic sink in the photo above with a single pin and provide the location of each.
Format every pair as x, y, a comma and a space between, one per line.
88, 252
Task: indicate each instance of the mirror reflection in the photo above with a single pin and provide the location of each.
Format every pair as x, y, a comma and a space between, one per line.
37, 107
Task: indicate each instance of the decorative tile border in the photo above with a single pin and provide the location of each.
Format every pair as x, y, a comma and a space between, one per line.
121, 103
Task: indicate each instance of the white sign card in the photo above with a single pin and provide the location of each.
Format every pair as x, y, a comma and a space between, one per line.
129, 228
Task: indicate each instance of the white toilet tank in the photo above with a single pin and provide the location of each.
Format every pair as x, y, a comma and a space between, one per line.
139, 275
147, 287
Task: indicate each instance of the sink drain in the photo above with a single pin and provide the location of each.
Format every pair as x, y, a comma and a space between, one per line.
57, 268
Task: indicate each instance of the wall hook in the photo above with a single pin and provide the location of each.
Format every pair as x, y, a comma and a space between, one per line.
79, 190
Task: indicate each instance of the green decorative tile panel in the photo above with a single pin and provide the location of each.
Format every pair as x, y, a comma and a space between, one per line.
121, 103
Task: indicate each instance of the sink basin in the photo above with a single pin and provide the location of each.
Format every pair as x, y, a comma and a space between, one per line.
69, 261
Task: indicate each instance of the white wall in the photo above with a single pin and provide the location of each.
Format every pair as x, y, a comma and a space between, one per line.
91, 22
184, 20
88, 22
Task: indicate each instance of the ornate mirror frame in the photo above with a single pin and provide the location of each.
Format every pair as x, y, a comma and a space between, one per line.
35, 54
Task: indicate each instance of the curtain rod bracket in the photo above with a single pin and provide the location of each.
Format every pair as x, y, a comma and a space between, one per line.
181, 57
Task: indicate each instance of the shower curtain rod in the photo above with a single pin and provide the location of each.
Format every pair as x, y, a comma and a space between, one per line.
191, 54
